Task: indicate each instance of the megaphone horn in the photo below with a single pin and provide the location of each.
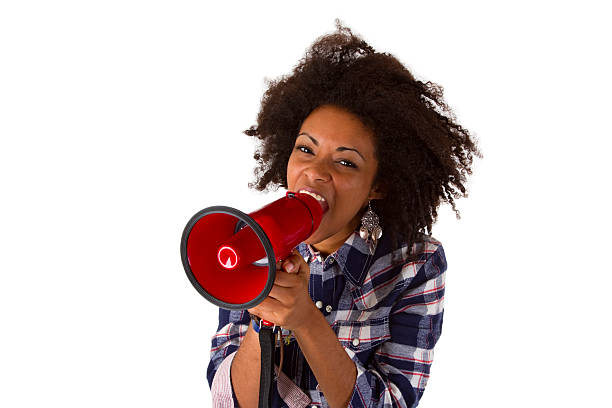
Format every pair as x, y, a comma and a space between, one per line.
230, 257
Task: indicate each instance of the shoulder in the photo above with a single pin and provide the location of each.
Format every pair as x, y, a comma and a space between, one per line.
387, 261
425, 261
424, 246
395, 270
428, 251
419, 252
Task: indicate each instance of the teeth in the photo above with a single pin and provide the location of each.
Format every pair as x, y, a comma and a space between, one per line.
318, 197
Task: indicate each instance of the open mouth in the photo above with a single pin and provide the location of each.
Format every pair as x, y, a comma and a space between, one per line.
319, 198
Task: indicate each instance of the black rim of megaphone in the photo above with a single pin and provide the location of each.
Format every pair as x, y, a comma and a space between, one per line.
264, 241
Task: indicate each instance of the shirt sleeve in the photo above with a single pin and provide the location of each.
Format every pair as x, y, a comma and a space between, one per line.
226, 341
400, 368
232, 328
221, 389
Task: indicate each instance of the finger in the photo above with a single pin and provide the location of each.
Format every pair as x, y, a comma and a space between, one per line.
285, 279
303, 268
282, 294
290, 265
266, 309
294, 263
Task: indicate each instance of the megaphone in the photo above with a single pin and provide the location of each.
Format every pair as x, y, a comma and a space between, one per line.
230, 257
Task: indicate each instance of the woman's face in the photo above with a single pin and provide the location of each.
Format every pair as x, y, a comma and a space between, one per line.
334, 157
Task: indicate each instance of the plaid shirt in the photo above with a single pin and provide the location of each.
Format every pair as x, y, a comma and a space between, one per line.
387, 316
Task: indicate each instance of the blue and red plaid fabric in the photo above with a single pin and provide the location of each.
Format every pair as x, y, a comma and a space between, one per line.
387, 316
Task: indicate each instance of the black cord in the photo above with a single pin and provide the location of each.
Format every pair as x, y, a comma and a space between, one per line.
266, 343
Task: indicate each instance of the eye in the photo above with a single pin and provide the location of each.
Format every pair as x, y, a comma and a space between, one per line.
303, 149
347, 163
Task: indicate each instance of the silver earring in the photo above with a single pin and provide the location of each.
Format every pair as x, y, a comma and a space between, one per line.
370, 230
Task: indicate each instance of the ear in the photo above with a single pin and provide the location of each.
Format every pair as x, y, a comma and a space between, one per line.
377, 192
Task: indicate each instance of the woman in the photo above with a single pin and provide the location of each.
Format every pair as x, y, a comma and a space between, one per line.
360, 311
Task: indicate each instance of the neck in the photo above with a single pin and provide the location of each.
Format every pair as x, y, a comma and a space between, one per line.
333, 243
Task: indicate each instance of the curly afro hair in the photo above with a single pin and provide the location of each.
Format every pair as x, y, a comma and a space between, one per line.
423, 154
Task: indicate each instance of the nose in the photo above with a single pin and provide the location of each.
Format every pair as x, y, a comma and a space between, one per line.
318, 171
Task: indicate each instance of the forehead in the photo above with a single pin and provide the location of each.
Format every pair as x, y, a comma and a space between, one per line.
334, 126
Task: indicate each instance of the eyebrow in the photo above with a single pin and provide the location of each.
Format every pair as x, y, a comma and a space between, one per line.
339, 149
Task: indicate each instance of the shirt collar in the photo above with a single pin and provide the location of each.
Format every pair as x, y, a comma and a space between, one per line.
353, 257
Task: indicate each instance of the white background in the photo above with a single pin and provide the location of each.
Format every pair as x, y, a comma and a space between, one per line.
121, 119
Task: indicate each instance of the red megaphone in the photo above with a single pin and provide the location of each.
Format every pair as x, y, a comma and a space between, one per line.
230, 257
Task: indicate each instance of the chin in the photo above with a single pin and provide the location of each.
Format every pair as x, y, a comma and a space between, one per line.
316, 238
319, 235
312, 240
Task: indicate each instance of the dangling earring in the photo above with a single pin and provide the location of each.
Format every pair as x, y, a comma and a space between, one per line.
370, 230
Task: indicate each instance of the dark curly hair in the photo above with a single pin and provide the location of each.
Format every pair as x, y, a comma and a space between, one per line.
423, 154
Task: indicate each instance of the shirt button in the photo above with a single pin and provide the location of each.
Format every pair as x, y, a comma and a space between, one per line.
319, 304
355, 342
328, 308
331, 260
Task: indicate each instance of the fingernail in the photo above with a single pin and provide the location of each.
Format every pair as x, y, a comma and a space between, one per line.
290, 267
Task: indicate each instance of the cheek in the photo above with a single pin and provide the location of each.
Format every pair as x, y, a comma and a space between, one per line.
348, 195
291, 171
354, 193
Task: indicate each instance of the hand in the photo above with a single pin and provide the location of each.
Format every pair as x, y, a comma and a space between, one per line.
288, 304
